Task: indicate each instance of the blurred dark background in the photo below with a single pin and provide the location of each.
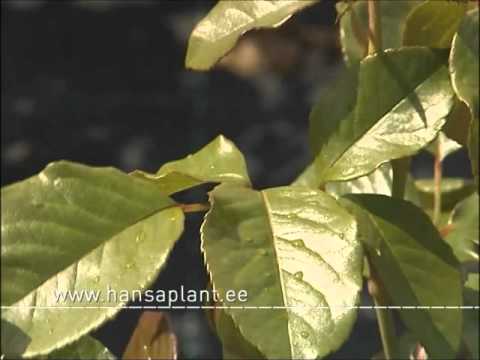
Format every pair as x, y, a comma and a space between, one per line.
103, 83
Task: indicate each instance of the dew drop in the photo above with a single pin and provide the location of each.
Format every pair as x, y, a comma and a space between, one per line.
298, 275
342, 236
97, 279
263, 252
298, 243
129, 265
50, 331
57, 182
378, 252
140, 236
304, 334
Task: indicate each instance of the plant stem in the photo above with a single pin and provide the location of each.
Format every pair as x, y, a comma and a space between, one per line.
384, 316
374, 27
400, 171
437, 179
189, 208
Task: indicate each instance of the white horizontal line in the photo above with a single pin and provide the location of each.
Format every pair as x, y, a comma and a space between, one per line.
189, 307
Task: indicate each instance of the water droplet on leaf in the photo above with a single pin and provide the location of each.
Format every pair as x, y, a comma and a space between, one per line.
342, 236
298, 243
298, 275
140, 236
129, 265
305, 334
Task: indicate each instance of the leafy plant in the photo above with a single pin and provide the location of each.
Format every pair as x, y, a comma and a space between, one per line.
302, 252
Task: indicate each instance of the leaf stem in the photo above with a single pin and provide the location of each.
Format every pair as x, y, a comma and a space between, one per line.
384, 316
374, 27
189, 208
437, 180
400, 170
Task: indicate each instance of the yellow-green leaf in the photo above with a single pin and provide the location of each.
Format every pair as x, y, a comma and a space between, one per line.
217, 162
74, 229
218, 32
291, 248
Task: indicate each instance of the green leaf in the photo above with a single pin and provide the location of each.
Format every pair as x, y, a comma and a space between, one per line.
86, 348
463, 229
464, 62
464, 66
287, 247
403, 98
219, 161
218, 32
378, 182
234, 344
354, 26
153, 338
73, 228
416, 267
447, 146
472, 317
433, 23
452, 191
473, 146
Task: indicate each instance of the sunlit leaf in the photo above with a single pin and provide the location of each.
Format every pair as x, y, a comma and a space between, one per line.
433, 23
463, 229
403, 98
378, 182
288, 247
218, 32
219, 161
153, 338
416, 267
73, 228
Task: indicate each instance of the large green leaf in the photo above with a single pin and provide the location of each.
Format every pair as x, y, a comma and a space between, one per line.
463, 229
472, 317
464, 62
473, 148
354, 26
433, 23
464, 67
86, 348
73, 228
218, 32
416, 267
219, 161
403, 97
293, 248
